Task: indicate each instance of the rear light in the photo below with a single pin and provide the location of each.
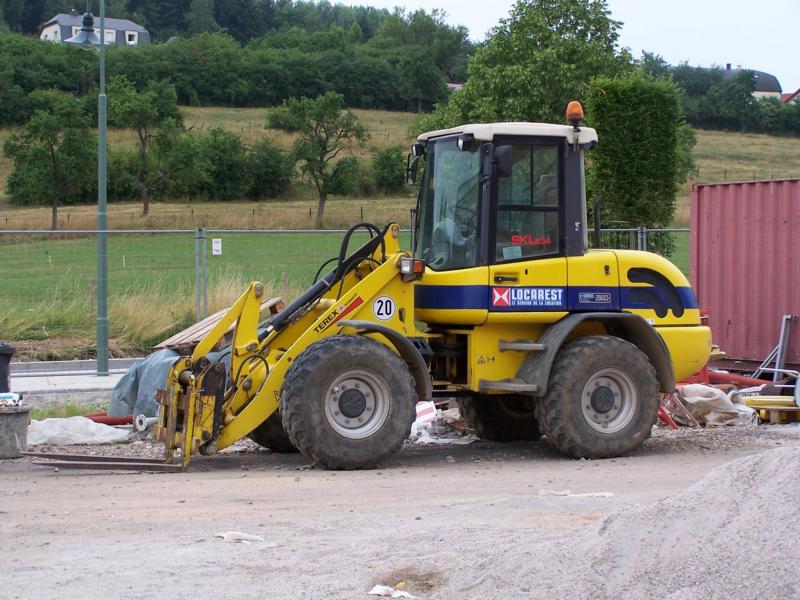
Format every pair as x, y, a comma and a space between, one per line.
411, 268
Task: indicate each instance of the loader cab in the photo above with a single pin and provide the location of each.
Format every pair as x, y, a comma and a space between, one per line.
500, 205
494, 194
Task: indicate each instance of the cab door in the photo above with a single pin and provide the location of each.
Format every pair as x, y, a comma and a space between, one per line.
528, 270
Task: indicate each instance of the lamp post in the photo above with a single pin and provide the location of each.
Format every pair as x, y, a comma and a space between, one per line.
87, 38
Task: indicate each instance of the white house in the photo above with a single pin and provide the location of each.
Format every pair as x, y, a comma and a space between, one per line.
118, 31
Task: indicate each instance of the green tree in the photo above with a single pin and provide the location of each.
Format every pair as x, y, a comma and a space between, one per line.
200, 17
538, 59
654, 65
326, 129
421, 79
54, 154
238, 17
143, 112
638, 165
13, 100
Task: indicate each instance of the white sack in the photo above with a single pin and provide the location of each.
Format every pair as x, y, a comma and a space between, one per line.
73, 430
711, 406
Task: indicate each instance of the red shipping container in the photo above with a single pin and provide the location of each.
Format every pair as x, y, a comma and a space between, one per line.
745, 263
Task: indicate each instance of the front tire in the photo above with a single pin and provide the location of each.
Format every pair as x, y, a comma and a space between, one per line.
602, 398
501, 418
348, 402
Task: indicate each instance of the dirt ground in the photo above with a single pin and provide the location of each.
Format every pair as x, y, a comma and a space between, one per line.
479, 521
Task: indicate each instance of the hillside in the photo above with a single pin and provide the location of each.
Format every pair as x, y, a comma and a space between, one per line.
719, 156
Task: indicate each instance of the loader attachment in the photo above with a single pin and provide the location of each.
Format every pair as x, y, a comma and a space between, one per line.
190, 410
202, 398
206, 406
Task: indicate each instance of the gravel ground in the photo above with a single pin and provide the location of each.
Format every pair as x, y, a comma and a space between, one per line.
694, 514
663, 440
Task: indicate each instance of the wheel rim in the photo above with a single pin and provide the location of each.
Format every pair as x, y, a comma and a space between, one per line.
609, 401
357, 404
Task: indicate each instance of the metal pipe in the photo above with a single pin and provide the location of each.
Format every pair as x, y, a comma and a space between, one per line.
197, 274
204, 238
102, 236
143, 423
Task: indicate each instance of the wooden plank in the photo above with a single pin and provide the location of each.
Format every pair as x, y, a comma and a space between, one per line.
185, 341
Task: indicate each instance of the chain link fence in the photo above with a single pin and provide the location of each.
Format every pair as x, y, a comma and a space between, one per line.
161, 281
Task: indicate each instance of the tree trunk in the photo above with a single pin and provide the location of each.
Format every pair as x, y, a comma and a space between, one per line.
141, 175
59, 188
419, 105
321, 209
144, 196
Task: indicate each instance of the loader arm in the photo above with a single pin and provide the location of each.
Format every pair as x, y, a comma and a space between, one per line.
198, 415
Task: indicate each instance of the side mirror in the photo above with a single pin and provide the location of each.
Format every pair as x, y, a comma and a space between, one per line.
418, 150
412, 168
466, 142
503, 161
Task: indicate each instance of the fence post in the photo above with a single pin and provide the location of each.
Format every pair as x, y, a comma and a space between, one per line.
205, 273
197, 249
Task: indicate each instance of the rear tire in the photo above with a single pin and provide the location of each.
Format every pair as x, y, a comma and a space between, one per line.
272, 435
348, 402
501, 418
602, 398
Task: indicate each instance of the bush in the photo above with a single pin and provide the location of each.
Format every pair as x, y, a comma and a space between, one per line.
226, 155
389, 168
122, 166
364, 182
183, 169
269, 170
638, 175
281, 117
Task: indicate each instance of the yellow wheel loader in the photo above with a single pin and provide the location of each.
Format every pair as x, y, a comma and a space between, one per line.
500, 304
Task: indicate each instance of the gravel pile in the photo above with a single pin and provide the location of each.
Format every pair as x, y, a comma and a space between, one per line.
733, 534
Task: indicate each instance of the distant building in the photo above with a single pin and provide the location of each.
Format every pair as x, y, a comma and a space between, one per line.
767, 86
118, 31
786, 98
454, 86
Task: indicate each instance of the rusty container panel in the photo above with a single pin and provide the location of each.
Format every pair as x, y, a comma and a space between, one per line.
745, 263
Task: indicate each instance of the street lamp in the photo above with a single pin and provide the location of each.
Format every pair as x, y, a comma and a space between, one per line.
88, 38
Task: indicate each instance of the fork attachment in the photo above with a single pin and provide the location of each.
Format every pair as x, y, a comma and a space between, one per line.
190, 413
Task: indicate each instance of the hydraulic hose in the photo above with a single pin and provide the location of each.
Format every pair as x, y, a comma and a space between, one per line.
343, 266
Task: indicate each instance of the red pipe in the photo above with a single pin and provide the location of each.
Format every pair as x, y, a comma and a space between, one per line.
102, 417
740, 380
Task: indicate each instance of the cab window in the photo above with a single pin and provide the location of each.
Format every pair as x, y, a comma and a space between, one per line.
528, 205
449, 206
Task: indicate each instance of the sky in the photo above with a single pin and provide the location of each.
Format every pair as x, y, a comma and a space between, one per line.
758, 35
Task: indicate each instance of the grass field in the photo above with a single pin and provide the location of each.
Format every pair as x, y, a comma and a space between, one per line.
299, 213
725, 156
49, 284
